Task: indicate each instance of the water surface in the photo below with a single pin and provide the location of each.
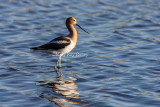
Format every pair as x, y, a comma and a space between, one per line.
116, 65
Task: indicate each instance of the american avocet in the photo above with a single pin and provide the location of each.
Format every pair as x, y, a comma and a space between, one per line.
61, 45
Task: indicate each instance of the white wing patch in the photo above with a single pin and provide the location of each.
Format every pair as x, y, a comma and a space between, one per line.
59, 42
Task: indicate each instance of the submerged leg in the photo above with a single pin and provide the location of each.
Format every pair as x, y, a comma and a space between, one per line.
60, 60
59, 73
57, 62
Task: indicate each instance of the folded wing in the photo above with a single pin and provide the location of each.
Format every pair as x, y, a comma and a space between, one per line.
55, 44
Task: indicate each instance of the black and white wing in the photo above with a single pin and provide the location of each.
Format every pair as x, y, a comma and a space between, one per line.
55, 44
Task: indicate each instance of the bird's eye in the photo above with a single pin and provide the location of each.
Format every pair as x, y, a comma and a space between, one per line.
74, 20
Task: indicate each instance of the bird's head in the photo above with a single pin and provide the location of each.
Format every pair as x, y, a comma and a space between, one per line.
71, 20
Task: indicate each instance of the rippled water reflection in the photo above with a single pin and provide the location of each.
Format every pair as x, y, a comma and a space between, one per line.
122, 55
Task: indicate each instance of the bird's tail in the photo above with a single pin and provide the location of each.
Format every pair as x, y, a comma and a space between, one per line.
34, 48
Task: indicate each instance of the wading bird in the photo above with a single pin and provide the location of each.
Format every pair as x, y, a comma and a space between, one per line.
61, 45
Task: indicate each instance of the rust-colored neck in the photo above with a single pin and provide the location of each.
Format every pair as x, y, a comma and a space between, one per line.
73, 32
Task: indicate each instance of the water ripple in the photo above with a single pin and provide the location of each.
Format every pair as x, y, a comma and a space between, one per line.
121, 66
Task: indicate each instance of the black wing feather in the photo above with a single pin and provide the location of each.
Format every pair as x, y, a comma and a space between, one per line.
54, 46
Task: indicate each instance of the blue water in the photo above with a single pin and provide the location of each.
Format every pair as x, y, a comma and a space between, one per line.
116, 65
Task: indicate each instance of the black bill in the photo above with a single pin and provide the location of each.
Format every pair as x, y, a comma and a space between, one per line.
82, 28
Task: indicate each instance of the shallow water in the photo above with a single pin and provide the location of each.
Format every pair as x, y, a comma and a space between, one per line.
116, 65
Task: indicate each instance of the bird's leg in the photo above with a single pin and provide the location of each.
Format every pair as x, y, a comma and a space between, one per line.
60, 61
57, 62
59, 73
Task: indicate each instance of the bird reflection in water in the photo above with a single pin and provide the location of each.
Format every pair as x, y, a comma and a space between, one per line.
66, 90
